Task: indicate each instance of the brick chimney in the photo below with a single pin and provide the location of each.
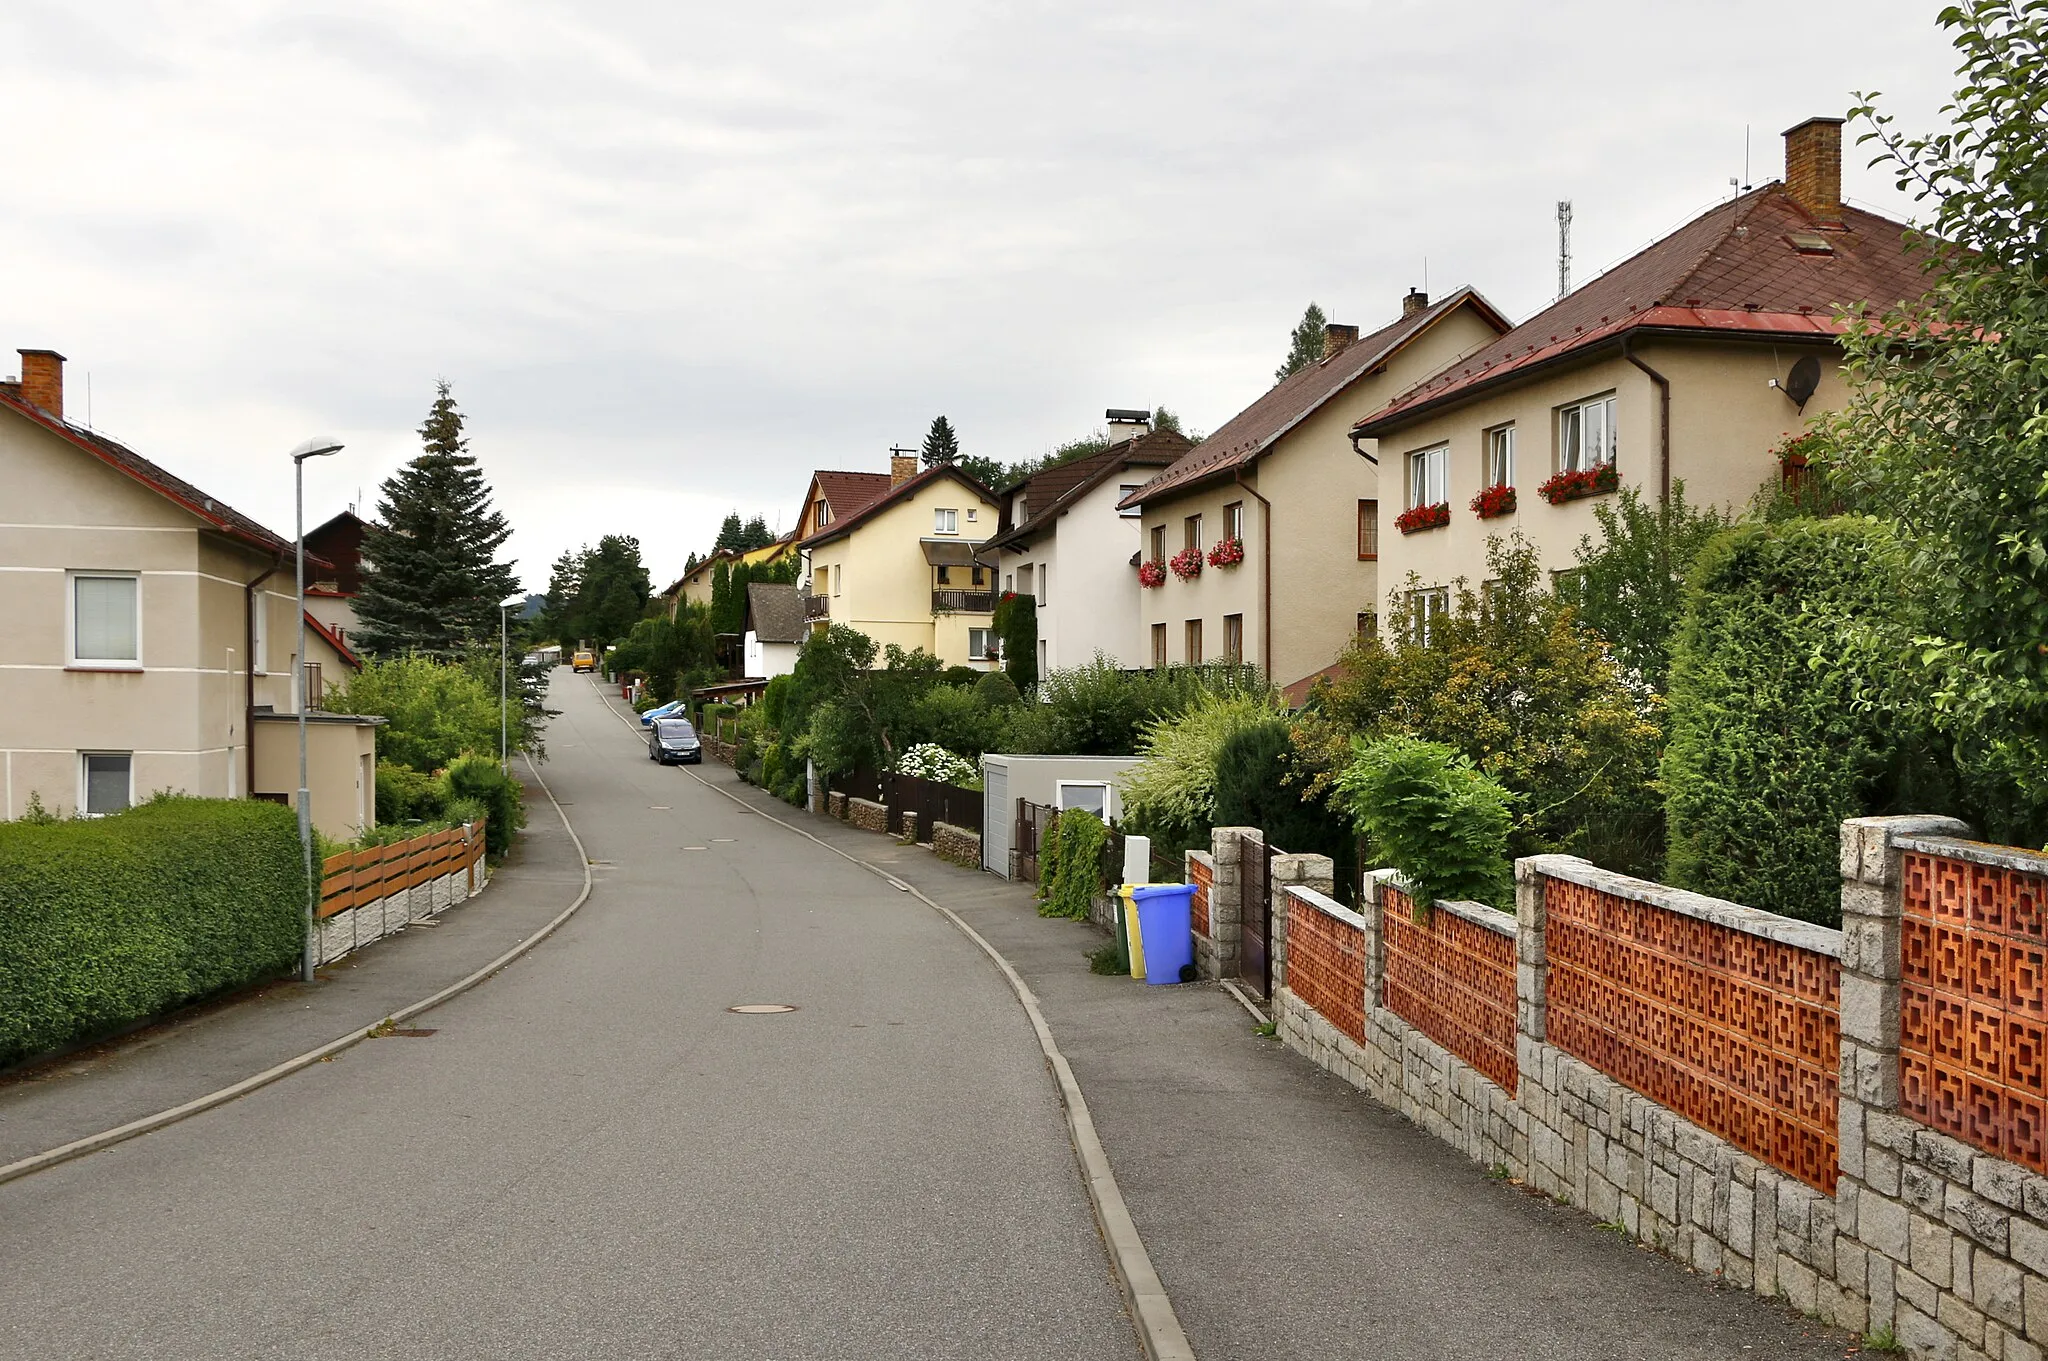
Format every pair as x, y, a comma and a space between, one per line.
1337, 339
1813, 167
1414, 302
42, 380
902, 467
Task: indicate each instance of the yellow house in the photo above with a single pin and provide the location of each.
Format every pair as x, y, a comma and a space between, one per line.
901, 568
694, 586
148, 635
1292, 502
1691, 361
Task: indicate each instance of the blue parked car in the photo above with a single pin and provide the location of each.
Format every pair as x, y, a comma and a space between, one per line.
673, 709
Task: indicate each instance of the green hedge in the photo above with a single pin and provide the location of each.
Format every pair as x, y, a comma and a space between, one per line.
1792, 707
109, 921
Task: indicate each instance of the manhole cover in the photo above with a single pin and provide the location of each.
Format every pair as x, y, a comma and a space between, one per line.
760, 1008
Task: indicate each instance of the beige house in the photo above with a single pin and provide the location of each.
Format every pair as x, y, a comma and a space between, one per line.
1693, 361
901, 568
147, 634
1064, 526
694, 587
1286, 486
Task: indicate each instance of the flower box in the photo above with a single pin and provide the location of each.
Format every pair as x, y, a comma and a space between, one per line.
1570, 486
1418, 518
1152, 574
1494, 502
1227, 553
1187, 564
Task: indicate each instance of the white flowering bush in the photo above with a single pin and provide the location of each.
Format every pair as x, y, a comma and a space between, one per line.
930, 761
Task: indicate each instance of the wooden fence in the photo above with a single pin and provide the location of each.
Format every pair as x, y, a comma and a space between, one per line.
356, 878
930, 800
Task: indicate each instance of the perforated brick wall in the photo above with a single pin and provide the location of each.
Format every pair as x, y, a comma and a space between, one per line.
1327, 964
1454, 980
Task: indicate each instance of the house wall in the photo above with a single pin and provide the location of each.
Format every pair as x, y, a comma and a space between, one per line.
1092, 603
1724, 422
337, 612
1217, 592
769, 660
341, 770
883, 585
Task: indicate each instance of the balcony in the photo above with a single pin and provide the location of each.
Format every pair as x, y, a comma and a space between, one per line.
963, 602
817, 607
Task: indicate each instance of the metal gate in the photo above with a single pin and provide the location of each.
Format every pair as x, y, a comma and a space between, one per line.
1255, 931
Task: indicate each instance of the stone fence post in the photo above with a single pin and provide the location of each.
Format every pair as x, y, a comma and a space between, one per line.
1228, 851
1372, 902
1294, 871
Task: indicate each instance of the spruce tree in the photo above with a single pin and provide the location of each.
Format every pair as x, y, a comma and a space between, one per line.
941, 445
432, 581
730, 534
756, 534
1306, 344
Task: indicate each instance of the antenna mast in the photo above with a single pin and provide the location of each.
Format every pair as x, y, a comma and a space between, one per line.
1564, 246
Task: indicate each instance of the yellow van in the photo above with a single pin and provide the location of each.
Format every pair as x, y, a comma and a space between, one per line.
586, 660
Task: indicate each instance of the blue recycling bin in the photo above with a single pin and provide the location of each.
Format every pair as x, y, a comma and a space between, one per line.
1164, 912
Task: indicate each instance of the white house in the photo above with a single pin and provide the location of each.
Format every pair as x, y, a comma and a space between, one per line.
774, 629
1062, 541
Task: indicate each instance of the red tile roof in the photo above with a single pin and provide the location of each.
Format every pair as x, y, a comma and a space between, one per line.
851, 493
1048, 494
843, 525
219, 514
1241, 440
1758, 264
333, 642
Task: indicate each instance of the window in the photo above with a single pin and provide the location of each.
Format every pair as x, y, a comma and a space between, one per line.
1024, 586
1233, 521
944, 576
1368, 626
1585, 435
979, 580
1159, 646
1500, 456
1368, 530
1426, 477
1426, 606
1045, 583
1129, 512
970, 515
981, 644
1191, 533
1009, 583
108, 782
1194, 640
314, 694
259, 631
1089, 794
822, 513
1569, 584
1159, 543
106, 620
1020, 509
821, 581
838, 577
1233, 637
945, 521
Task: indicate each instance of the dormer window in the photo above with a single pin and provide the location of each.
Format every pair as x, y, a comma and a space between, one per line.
821, 513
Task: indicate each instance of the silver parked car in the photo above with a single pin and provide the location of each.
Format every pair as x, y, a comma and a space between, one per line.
672, 741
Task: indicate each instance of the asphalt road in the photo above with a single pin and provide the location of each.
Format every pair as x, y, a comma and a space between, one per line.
592, 1157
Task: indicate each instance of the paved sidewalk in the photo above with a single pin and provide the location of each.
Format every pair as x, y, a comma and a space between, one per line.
210, 1046
1290, 1215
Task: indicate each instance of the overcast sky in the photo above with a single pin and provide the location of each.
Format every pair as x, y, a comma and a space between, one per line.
673, 257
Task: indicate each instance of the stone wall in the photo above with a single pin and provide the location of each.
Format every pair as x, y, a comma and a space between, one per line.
835, 805
868, 815
726, 753
909, 822
956, 845
358, 926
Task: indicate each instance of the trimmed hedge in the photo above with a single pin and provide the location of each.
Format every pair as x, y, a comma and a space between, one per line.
110, 921
1792, 707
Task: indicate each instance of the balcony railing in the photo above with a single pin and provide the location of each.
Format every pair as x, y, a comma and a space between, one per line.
963, 602
817, 607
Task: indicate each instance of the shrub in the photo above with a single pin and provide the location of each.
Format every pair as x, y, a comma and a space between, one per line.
929, 761
1792, 708
1427, 811
436, 711
996, 690
1173, 789
1258, 784
478, 779
1070, 865
407, 795
1016, 622
1630, 588
108, 921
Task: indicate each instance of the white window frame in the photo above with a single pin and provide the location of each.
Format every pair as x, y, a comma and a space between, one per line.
71, 580
945, 520
1233, 521
1432, 602
1129, 512
85, 759
1044, 583
985, 648
1573, 452
838, 577
1500, 456
259, 643
1429, 476
1061, 787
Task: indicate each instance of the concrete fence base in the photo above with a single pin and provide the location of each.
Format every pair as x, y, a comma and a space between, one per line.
351, 930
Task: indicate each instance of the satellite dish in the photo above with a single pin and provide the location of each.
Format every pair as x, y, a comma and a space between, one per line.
1802, 382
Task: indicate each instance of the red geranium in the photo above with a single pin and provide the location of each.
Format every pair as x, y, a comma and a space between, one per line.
1187, 564
1227, 553
1417, 518
1570, 486
1494, 502
1151, 574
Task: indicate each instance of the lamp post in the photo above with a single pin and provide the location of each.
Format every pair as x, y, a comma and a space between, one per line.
312, 448
504, 657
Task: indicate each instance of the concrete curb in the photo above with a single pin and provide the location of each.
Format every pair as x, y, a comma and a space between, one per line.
93, 1143
1152, 1313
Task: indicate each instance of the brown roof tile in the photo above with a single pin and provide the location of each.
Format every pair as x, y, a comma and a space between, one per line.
846, 524
1048, 493
851, 493
1734, 268
1244, 437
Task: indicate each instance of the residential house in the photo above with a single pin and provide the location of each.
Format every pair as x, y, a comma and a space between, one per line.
1064, 523
1274, 519
149, 634
1692, 361
901, 568
774, 628
695, 586
332, 590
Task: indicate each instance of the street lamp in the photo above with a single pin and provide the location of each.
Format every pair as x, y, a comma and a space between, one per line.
312, 448
504, 669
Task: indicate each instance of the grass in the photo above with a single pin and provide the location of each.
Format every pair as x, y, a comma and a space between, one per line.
1883, 1340
1103, 960
1614, 1226
1266, 1029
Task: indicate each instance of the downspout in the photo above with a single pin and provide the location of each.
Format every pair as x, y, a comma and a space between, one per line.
1265, 572
1663, 420
249, 673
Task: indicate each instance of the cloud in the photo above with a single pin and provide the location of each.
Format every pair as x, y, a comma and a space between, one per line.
675, 257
